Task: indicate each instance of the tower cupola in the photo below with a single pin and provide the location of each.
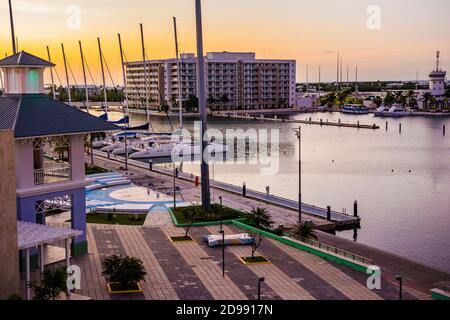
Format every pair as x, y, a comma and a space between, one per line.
23, 73
437, 79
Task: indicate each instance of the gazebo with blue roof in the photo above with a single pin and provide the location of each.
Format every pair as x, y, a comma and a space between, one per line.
49, 145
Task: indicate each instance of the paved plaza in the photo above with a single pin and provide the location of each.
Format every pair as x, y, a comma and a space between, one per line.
192, 271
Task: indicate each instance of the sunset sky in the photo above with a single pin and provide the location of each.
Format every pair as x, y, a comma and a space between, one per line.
307, 31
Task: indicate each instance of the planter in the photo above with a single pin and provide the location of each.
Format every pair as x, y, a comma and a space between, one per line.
254, 260
178, 239
114, 288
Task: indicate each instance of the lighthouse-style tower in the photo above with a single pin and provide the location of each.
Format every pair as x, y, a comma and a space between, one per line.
49, 139
437, 79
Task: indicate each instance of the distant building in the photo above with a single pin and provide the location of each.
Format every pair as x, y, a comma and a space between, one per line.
437, 79
306, 101
234, 80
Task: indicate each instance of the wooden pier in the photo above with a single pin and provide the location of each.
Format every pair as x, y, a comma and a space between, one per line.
319, 122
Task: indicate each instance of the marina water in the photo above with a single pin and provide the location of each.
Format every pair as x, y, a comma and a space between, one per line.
401, 180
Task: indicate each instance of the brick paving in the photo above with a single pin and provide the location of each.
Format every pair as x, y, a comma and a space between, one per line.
180, 274
193, 271
245, 279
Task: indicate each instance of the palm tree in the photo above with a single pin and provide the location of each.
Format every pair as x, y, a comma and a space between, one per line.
224, 100
378, 101
260, 218
426, 97
389, 99
330, 99
305, 230
212, 102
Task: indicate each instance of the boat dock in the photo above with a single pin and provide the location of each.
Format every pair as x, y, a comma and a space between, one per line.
320, 122
336, 220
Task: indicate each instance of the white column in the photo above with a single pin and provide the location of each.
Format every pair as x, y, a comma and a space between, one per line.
41, 256
68, 261
27, 271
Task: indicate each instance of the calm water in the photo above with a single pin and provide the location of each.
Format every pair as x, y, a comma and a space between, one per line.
407, 213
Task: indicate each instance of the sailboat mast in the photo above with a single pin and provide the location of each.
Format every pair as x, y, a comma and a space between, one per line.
123, 72
337, 79
13, 35
307, 78
84, 76
417, 79
103, 75
126, 100
51, 73
145, 73
356, 80
67, 74
319, 79
180, 92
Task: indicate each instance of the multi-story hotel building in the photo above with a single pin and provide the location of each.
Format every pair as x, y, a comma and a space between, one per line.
234, 81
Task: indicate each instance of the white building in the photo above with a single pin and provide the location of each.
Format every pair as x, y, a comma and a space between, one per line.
234, 80
437, 79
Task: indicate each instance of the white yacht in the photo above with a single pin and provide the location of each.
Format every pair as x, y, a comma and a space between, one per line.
396, 110
151, 149
157, 150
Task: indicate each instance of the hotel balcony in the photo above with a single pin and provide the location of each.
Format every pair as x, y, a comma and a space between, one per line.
58, 173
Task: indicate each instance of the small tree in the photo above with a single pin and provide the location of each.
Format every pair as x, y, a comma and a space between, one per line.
192, 214
256, 243
53, 284
124, 270
305, 230
260, 218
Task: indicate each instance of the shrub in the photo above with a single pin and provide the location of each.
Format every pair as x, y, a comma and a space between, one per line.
124, 270
53, 284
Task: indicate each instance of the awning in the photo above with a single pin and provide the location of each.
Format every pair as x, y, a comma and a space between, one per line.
31, 235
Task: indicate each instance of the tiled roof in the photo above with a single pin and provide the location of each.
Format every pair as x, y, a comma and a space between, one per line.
23, 58
37, 115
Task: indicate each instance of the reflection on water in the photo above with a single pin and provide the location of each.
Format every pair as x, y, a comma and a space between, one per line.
401, 181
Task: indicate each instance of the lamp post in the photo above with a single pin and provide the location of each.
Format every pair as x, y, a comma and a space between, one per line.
222, 232
400, 288
201, 87
221, 213
298, 133
260, 280
174, 186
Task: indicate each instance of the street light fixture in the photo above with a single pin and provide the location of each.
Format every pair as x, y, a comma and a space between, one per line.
298, 133
400, 289
222, 232
259, 287
221, 213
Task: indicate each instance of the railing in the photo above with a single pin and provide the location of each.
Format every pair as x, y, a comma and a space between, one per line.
334, 250
53, 174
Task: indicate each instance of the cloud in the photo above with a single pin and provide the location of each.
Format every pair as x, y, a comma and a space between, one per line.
29, 7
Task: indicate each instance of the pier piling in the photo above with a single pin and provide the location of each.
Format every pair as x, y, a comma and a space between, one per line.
150, 165
387, 126
443, 130
328, 213
355, 209
244, 190
358, 124
400, 128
